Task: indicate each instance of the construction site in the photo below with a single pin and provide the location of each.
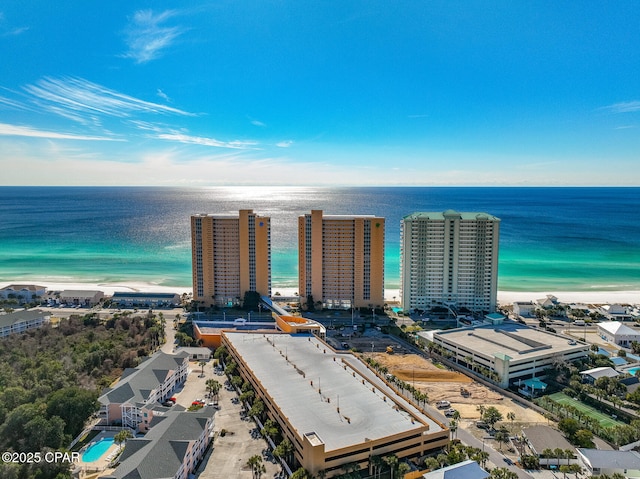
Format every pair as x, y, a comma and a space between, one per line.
442, 384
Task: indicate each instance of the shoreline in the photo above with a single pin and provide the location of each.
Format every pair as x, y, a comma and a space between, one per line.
391, 295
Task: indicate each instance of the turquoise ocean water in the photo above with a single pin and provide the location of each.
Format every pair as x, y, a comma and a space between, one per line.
577, 239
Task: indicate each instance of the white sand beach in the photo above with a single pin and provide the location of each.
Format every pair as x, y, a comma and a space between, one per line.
391, 295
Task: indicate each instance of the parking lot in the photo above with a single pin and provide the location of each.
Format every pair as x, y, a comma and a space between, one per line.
240, 439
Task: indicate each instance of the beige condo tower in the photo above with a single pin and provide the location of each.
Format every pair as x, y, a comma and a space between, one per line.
341, 259
230, 256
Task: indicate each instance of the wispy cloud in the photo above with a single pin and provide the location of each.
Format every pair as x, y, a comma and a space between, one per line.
203, 141
147, 36
161, 132
82, 100
624, 107
14, 32
16, 130
14, 104
8, 31
163, 95
284, 144
258, 123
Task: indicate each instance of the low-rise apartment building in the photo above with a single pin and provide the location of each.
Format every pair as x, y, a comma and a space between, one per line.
20, 321
130, 403
171, 449
23, 293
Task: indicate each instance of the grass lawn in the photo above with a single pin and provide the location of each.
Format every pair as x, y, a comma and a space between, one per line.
603, 419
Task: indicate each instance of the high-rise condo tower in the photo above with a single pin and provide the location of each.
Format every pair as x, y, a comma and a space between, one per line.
341, 260
449, 259
230, 256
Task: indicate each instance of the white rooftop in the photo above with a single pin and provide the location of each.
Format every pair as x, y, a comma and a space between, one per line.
309, 382
616, 327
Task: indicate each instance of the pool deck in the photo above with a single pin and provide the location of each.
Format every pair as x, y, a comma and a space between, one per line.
103, 461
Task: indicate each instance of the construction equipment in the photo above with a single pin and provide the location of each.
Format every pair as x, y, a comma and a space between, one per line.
389, 350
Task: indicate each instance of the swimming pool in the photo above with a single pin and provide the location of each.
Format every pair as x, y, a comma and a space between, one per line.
95, 451
632, 371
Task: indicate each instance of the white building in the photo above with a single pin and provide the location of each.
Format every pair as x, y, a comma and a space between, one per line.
23, 293
617, 333
511, 352
449, 259
597, 462
19, 322
524, 309
617, 312
131, 401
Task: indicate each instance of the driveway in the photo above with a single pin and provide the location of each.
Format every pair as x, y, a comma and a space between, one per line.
230, 452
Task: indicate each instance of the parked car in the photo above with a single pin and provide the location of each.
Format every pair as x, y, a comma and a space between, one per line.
450, 412
443, 404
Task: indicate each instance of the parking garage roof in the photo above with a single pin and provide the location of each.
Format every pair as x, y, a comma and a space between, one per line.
328, 395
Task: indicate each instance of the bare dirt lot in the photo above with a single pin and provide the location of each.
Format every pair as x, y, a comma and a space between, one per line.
443, 384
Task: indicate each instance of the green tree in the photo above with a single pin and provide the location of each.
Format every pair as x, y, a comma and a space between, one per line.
511, 416
213, 387
502, 436
284, 450
255, 464
270, 429
73, 405
251, 300
392, 462
491, 416
569, 426
301, 473
502, 473
257, 408
584, 438
403, 468
375, 463
122, 436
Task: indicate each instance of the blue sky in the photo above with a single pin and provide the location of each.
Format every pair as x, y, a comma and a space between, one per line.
319, 93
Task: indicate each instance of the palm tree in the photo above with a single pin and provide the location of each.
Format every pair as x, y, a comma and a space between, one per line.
559, 454
351, 468
375, 462
392, 462
202, 364
453, 427
256, 466
122, 436
511, 416
215, 389
270, 429
502, 436
284, 450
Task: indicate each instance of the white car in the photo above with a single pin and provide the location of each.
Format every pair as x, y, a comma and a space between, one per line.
450, 412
